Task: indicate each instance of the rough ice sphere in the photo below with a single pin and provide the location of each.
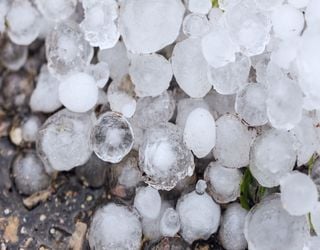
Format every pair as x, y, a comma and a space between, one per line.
231, 229
115, 227
23, 22
148, 202
229, 79
29, 173
251, 104
287, 21
100, 23
169, 223
299, 194
201, 187
200, 132
200, 6
223, 183
63, 140
78, 92
269, 218
164, 157
30, 128
148, 26
272, 156
233, 142
66, 49
45, 97
195, 225
190, 68
56, 10
151, 74
195, 25
112, 137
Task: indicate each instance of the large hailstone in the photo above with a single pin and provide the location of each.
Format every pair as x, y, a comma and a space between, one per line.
66, 49
232, 77
100, 23
272, 156
231, 229
63, 140
223, 183
248, 28
269, 226
78, 92
195, 224
233, 142
170, 223
112, 137
23, 22
200, 132
148, 202
190, 68
299, 194
45, 96
151, 74
251, 104
115, 227
164, 158
56, 10
148, 26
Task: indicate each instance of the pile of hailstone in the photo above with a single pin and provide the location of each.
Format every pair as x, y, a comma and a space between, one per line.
180, 98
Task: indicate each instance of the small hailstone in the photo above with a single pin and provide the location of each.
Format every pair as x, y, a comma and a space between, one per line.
287, 21
13, 56
151, 74
45, 97
22, 19
231, 229
200, 132
284, 103
130, 176
170, 223
117, 59
272, 156
100, 72
190, 68
148, 202
185, 107
217, 47
201, 187
299, 194
229, 79
195, 25
115, 227
152, 111
29, 173
233, 142
148, 26
223, 183
192, 221
200, 6
63, 140
251, 104
100, 23
164, 158
269, 218
66, 49
30, 129
112, 137
78, 92
268, 5
56, 10
315, 218
248, 28
306, 140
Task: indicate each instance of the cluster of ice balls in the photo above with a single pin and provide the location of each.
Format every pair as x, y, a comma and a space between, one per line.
179, 83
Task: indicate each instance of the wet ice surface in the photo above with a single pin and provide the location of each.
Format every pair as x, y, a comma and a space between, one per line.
175, 110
